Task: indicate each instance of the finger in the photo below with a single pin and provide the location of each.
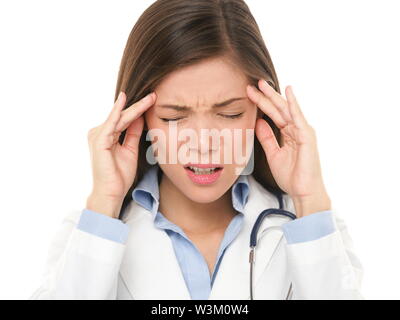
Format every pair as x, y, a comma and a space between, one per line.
114, 116
276, 99
267, 138
294, 108
133, 134
266, 106
134, 111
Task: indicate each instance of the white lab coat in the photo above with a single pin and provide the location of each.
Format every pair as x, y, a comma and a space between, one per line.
81, 265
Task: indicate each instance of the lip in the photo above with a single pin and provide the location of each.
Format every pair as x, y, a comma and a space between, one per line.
204, 179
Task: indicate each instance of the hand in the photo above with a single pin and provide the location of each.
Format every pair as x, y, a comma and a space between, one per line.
295, 166
113, 165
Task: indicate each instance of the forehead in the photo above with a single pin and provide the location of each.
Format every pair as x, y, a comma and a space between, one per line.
204, 83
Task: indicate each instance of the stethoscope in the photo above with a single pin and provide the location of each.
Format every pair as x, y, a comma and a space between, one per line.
253, 236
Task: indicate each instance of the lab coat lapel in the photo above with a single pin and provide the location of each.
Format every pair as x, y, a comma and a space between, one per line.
233, 277
150, 269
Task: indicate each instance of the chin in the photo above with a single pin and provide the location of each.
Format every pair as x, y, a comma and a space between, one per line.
205, 196
203, 193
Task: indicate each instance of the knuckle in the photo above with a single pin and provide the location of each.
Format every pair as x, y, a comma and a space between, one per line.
91, 133
122, 125
312, 131
94, 133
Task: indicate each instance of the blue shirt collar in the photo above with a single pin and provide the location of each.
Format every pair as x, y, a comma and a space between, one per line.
146, 192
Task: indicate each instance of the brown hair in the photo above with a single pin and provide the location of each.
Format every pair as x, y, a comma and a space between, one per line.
172, 34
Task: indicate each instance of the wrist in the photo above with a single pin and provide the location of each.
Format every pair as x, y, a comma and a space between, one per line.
101, 204
305, 206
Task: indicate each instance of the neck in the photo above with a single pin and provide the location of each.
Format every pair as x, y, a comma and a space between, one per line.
193, 217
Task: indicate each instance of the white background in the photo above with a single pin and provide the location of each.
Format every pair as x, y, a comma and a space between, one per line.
58, 70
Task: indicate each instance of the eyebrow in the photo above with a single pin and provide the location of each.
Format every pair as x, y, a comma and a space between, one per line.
187, 108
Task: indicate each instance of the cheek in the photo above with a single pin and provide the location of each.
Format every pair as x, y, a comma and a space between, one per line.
152, 121
244, 142
248, 121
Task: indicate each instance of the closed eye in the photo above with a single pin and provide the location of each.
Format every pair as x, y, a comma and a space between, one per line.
170, 120
232, 116
229, 116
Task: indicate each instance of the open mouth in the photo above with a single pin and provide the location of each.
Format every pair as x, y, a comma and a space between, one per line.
202, 171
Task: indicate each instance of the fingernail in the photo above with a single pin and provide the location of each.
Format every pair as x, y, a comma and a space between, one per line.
119, 96
251, 87
148, 97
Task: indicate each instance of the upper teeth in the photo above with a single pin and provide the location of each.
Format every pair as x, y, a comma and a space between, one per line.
202, 170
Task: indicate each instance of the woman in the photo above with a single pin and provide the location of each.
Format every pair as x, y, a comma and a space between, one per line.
163, 223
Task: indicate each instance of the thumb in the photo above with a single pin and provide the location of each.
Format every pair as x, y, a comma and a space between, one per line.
267, 138
133, 133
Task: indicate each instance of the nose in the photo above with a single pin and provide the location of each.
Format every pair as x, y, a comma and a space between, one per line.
207, 136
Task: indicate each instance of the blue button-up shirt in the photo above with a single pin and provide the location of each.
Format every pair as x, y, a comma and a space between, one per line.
192, 263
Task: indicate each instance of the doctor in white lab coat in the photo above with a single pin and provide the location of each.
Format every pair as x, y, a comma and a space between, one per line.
82, 265
218, 54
